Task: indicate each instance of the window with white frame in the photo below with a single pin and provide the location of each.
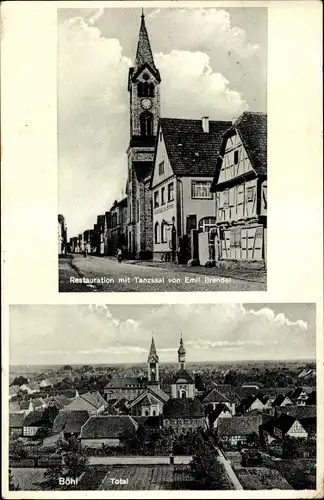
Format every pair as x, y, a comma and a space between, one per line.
156, 199
201, 190
226, 199
250, 193
170, 191
163, 196
157, 232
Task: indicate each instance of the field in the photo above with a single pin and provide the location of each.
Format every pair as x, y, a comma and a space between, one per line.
140, 477
261, 478
28, 479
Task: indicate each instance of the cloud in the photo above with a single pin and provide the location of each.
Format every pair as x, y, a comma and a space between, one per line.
206, 27
111, 333
96, 16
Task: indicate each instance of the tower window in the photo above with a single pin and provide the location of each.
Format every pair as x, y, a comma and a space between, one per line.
151, 90
140, 90
146, 89
146, 124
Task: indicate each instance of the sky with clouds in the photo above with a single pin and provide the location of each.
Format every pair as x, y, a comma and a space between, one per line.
212, 62
122, 333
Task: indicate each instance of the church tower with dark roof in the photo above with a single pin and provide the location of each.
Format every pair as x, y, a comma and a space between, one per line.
144, 106
153, 365
183, 385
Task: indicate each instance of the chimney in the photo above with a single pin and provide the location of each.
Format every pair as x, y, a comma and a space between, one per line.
205, 124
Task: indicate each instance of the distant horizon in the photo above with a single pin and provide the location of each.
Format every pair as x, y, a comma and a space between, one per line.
278, 360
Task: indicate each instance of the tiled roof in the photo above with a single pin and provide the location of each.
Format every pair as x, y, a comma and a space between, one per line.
70, 421
38, 402
34, 418
183, 408
311, 398
108, 426
13, 390
297, 411
60, 401
69, 394
216, 396
14, 407
309, 425
95, 399
191, 151
16, 419
159, 393
126, 382
252, 128
239, 426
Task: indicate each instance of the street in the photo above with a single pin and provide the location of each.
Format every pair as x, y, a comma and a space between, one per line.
100, 274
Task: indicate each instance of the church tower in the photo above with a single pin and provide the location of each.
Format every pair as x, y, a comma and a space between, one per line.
153, 365
144, 102
181, 355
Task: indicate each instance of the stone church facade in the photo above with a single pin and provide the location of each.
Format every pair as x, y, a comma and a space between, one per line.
144, 91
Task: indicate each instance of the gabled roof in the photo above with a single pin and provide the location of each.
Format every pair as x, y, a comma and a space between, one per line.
220, 408
159, 393
239, 426
191, 151
284, 422
297, 411
60, 401
252, 129
125, 382
88, 401
34, 418
215, 396
108, 426
16, 420
183, 408
70, 422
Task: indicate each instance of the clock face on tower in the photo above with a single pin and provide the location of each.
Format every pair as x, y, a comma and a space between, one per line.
146, 103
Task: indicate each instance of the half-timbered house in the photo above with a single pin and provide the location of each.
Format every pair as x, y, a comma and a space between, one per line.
240, 184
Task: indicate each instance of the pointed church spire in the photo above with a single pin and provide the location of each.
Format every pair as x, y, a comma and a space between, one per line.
153, 352
144, 51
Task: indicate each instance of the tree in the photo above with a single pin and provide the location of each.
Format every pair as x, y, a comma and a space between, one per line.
12, 485
208, 472
20, 381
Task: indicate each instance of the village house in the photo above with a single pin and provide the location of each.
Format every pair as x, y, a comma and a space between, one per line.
183, 205
237, 430
125, 387
107, 430
69, 423
107, 234
288, 425
282, 400
118, 227
220, 411
30, 388
73, 244
258, 402
92, 402
149, 403
216, 397
183, 414
13, 391
240, 184
144, 91
16, 423
61, 235
87, 240
33, 421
